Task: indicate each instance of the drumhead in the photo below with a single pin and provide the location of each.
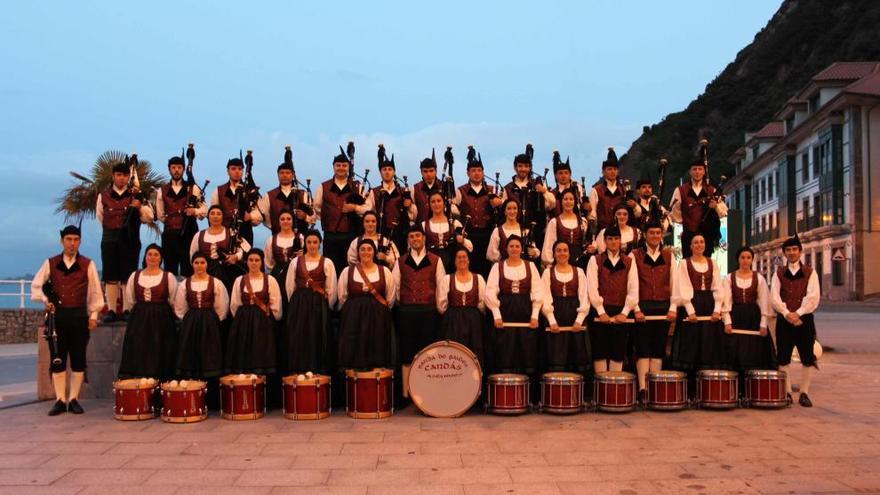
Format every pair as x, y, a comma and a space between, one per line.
774, 374
558, 377
508, 379
241, 379
135, 383
305, 381
184, 385
445, 379
374, 373
717, 374
615, 377
666, 376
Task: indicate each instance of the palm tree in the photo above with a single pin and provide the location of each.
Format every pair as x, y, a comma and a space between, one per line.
80, 199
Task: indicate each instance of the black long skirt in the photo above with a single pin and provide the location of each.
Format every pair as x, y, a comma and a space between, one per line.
199, 345
465, 325
749, 351
250, 345
699, 345
608, 340
515, 350
416, 328
366, 338
305, 342
150, 345
566, 351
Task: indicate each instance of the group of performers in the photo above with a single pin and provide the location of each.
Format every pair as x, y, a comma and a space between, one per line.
530, 278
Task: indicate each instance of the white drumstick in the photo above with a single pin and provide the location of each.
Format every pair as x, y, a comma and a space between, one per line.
566, 329
746, 332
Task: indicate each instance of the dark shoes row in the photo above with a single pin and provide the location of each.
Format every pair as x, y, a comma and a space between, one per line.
60, 407
112, 317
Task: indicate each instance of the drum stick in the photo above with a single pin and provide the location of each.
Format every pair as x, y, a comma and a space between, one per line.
515, 325
746, 332
566, 329
632, 320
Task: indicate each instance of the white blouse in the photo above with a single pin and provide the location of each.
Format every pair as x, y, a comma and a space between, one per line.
684, 291
329, 275
493, 289
550, 236
744, 283
213, 239
465, 287
632, 285
221, 297
582, 294
373, 277
282, 242
148, 282
257, 286
390, 257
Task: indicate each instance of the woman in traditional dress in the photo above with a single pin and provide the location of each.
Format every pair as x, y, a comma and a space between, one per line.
747, 307
387, 251
443, 234
566, 305
460, 301
281, 249
511, 226
629, 236
569, 227
215, 242
201, 303
311, 289
366, 293
150, 344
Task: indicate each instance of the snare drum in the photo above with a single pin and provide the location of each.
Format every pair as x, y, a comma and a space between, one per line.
667, 390
445, 379
615, 391
135, 399
369, 394
508, 393
562, 393
766, 388
306, 397
717, 389
242, 397
184, 401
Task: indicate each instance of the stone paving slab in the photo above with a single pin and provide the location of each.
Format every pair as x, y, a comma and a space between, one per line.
831, 448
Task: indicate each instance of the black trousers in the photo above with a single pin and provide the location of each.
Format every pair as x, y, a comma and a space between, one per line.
72, 327
336, 248
175, 252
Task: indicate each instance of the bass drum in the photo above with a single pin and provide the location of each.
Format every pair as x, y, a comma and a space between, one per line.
445, 379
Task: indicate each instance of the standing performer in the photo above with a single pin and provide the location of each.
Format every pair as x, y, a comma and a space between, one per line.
150, 346
655, 267
794, 294
514, 295
423, 189
691, 203
287, 196
366, 294
613, 287
392, 202
227, 196
175, 208
280, 249
255, 306
531, 194
511, 227
417, 275
442, 233
566, 305
311, 289
224, 251
460, 302
564, 182
336, 203
747, 307
629, 236
608, 194
120, 210
570, 227
201, 303
698, 344
644, 204
386, 250
477, 203
69, 287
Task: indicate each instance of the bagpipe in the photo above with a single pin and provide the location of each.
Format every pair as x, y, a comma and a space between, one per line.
132, 222
294, 202
49, 332
190, 224
710, 224
588, 234
359, 185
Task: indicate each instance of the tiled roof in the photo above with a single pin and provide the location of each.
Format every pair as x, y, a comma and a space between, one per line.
771, 130
869, 85
844, 71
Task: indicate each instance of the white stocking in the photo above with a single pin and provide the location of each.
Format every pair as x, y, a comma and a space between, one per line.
806, 379
616, 365
600, 365
59, 382
642, 366
76, 381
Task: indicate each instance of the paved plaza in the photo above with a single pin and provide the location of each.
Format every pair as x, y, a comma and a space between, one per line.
831, 448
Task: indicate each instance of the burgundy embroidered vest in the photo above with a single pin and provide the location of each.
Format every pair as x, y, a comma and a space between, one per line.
700, 281
174, 204
459, 299
418, 286
564, 289
317, 276
332, 217
606, 203
507, 286
653, 276
356, 289
793, 289
200, 299
692, 210
71, 285
613, 281
475, 205
749, 295
114, 207
158, 293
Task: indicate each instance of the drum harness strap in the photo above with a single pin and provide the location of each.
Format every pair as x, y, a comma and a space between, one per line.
370, 287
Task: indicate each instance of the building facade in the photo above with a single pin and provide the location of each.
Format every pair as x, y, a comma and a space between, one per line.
814, 171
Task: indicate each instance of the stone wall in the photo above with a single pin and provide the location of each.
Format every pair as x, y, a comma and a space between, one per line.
20, 326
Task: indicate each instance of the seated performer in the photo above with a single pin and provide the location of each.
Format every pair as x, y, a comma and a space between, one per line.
216, 243
150, 346
747, 307
311, 290
68, 285
387, 254
460, 302
794, 294
255, 306
566, 305
442, 233
514, 295
510, 227
570, 227
656, 270
613, 286
699, 336
629, 236
201, 303
366, 294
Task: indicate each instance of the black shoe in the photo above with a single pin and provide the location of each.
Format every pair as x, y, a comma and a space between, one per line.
788, 400
110, 317
74, 407
804, 400
58, 408
643, 398
124, 316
